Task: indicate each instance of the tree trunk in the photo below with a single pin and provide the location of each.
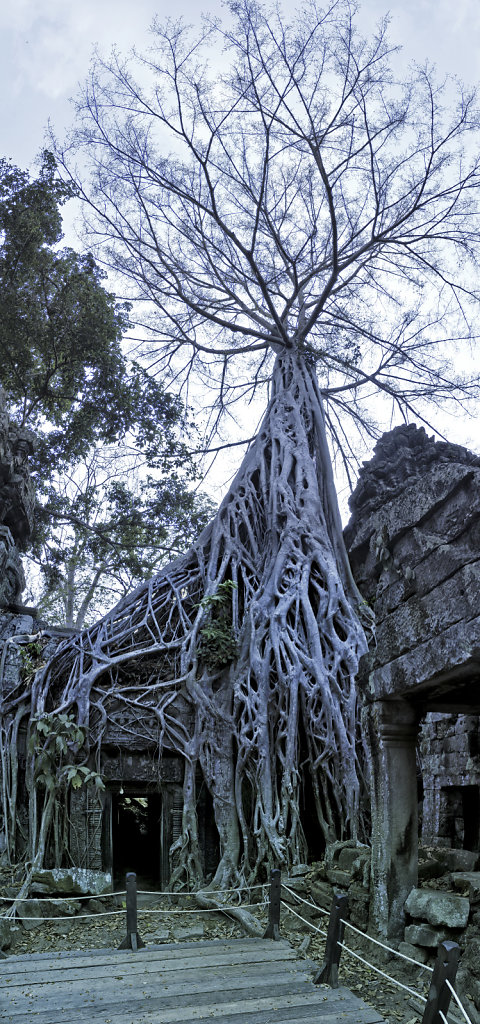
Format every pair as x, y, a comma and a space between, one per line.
274, 707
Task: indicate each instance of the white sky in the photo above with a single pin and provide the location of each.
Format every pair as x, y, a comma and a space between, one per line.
45, 47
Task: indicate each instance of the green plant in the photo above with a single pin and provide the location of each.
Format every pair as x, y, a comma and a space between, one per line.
218, 643
31, 658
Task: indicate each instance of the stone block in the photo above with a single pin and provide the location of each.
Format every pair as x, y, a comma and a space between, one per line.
160, 935
76, 881
5, 935
298, 884
347, 857
452, 860
339, 879
419, 953
358, 907
188, 933
31, 914
468, 880
321, 893
423, 935
299, 870
428, 869
438, 908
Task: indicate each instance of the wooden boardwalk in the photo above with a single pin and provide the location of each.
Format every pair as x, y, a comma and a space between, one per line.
244, 981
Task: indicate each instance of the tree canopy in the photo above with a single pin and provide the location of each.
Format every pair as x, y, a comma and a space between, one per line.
65, 374
299, 197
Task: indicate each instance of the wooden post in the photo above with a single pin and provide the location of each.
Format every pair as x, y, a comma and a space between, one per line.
439, 994
273, 926
132, 939
328, 973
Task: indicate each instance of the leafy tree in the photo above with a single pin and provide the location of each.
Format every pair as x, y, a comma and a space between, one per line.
303, 217
64, 374
104, 529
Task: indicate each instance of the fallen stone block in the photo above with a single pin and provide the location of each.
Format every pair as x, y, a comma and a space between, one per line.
188, 933
423, 935
438, 908
452, 860
419, 953
469, 880
76, 881
340, 879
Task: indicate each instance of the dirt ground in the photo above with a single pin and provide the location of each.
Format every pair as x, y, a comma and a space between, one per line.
89, 930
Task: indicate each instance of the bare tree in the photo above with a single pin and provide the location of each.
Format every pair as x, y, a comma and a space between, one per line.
297, 216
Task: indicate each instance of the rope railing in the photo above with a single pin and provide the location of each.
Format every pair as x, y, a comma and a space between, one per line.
443, 974
388, 977
314, 927
441, 989
458, 1001
64, 899
395, 952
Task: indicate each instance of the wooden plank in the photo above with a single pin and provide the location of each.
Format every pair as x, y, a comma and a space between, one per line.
193, 982
97, 969
151, 947
256, 982
167, 952
230, 1011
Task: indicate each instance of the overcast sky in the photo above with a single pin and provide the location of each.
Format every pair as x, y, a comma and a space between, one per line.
46, 47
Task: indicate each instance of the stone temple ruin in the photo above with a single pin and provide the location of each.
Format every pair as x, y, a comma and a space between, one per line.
414, 546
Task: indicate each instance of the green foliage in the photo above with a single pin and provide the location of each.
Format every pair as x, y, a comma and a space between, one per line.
52, 739
113, 473
31, 657
61, 362
218, 643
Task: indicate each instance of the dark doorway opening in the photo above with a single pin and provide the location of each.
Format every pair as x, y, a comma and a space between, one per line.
136, 835
461, 816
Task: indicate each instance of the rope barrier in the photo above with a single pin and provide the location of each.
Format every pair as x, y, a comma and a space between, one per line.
60, 899
393, 981
141, 910
71, 917
206, 910
382, 945
213, 892
314, 906
458, 1001
310, 925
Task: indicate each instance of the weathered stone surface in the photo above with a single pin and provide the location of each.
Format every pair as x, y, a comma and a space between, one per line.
160, 935
428, 869
187, 933
358, 906
349, 855
321, 893
297, 884
340, 879
414, 545
438, 908
452, 860
31, 914
299, 870
423, 935
468, 880
76, 881
5, 935
418, 953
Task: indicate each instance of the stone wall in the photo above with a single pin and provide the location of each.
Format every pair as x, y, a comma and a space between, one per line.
450, 765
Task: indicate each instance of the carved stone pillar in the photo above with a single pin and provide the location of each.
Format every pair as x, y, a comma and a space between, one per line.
391, 727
